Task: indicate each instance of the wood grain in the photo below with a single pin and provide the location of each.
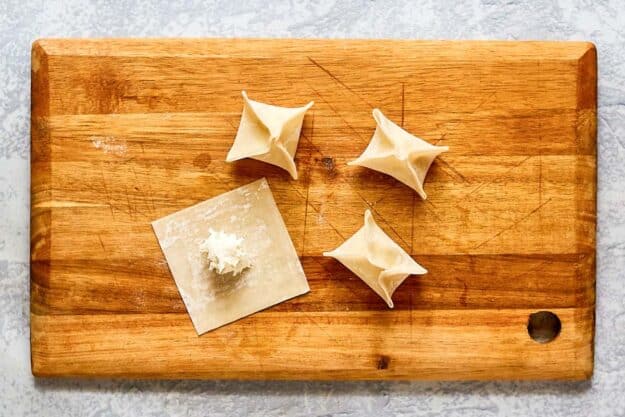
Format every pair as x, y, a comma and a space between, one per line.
127, 131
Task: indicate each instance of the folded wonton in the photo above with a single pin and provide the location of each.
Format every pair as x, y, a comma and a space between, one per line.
269, 134
376, 259
399, 154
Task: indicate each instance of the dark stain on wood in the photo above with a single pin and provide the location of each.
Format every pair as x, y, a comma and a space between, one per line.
203, 160
328, 163
383, 362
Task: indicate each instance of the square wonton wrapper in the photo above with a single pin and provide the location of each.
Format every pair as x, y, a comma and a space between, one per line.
275, 274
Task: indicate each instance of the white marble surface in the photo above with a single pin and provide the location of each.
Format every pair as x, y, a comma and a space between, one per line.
22, 21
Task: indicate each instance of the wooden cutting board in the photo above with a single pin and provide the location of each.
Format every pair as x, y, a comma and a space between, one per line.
127, 131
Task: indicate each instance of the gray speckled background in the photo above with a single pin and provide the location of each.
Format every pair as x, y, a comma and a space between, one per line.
22, 21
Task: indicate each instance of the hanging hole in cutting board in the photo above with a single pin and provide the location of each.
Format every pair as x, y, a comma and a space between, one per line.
543, 326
